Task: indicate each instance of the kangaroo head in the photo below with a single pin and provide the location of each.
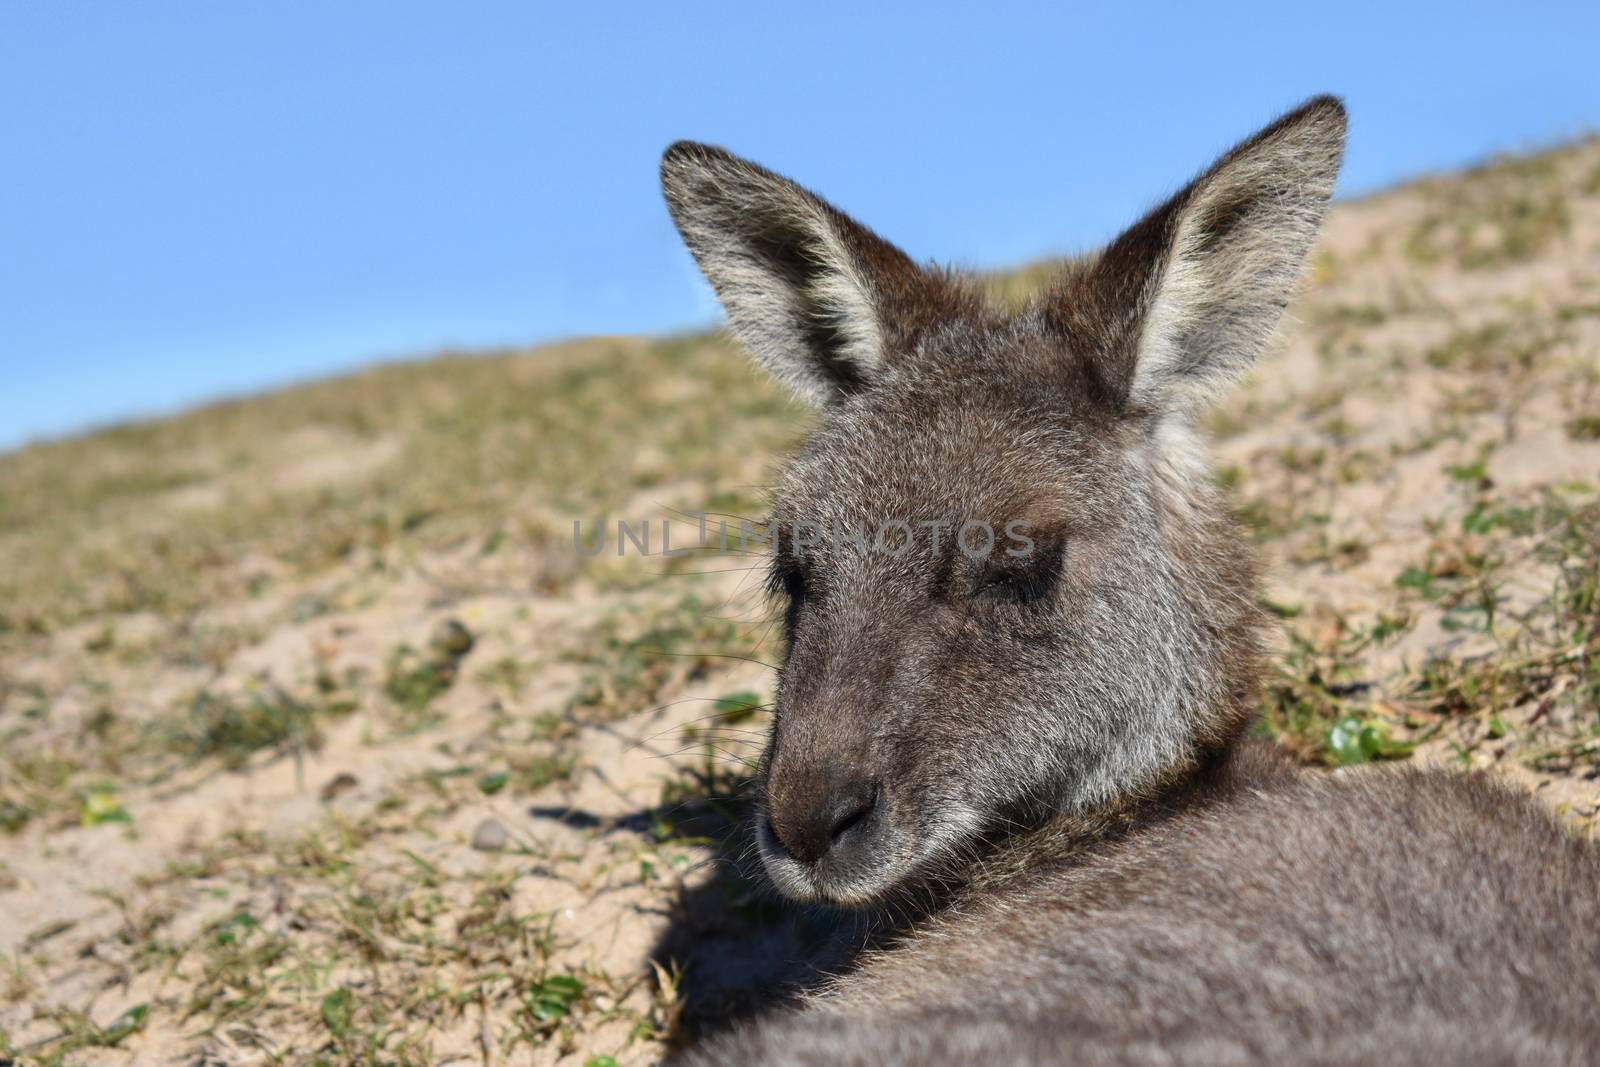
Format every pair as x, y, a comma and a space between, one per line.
1013, 591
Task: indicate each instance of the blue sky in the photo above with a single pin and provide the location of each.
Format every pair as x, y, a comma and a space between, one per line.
207, 198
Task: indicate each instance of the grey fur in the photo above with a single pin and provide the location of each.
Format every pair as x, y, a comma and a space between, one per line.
1043, 759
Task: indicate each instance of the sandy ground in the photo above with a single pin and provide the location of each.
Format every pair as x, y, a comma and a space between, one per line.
531, 861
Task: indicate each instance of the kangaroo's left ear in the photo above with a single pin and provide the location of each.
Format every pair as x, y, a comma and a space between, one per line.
820, 300
1185, 300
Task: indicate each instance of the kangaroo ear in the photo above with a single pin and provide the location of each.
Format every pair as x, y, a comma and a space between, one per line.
1191, 293
812, 293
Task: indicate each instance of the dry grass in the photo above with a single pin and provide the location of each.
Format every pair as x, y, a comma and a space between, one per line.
319, 743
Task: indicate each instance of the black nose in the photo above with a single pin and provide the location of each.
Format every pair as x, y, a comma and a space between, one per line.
833, 822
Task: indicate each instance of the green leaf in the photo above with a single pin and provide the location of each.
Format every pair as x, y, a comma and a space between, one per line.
424, 865
127, 1023
103, 807
552, 998
337, 1009
491, 784
1480, 521
237, 928
1389, 748
736, 707
600, 1061
1344, 741
562, 985
1371, 741
1350, 740
1476, 472
1284, 610
1387, 626
1418, 579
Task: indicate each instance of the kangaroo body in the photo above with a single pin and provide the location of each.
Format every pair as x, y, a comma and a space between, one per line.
1277, 917
1045, 739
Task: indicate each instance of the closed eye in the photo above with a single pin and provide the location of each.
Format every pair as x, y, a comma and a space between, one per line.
1023, 581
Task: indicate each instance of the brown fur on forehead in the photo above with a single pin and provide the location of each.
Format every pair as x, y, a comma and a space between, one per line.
989, 439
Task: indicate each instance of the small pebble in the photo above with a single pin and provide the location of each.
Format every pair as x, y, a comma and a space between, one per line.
490, 836
451, 638
339, 783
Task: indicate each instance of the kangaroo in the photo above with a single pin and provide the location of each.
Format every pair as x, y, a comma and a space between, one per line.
1040, 751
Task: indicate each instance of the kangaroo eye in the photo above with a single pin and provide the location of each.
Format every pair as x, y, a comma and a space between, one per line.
1023, 581
1006, 585
1001, 582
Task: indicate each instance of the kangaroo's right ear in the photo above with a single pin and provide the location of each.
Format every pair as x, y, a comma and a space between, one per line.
1184, 301
812, 293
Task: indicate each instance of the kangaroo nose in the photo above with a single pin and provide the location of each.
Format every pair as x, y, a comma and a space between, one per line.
831, 823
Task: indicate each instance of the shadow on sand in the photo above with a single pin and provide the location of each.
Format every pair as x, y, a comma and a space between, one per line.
739, 948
